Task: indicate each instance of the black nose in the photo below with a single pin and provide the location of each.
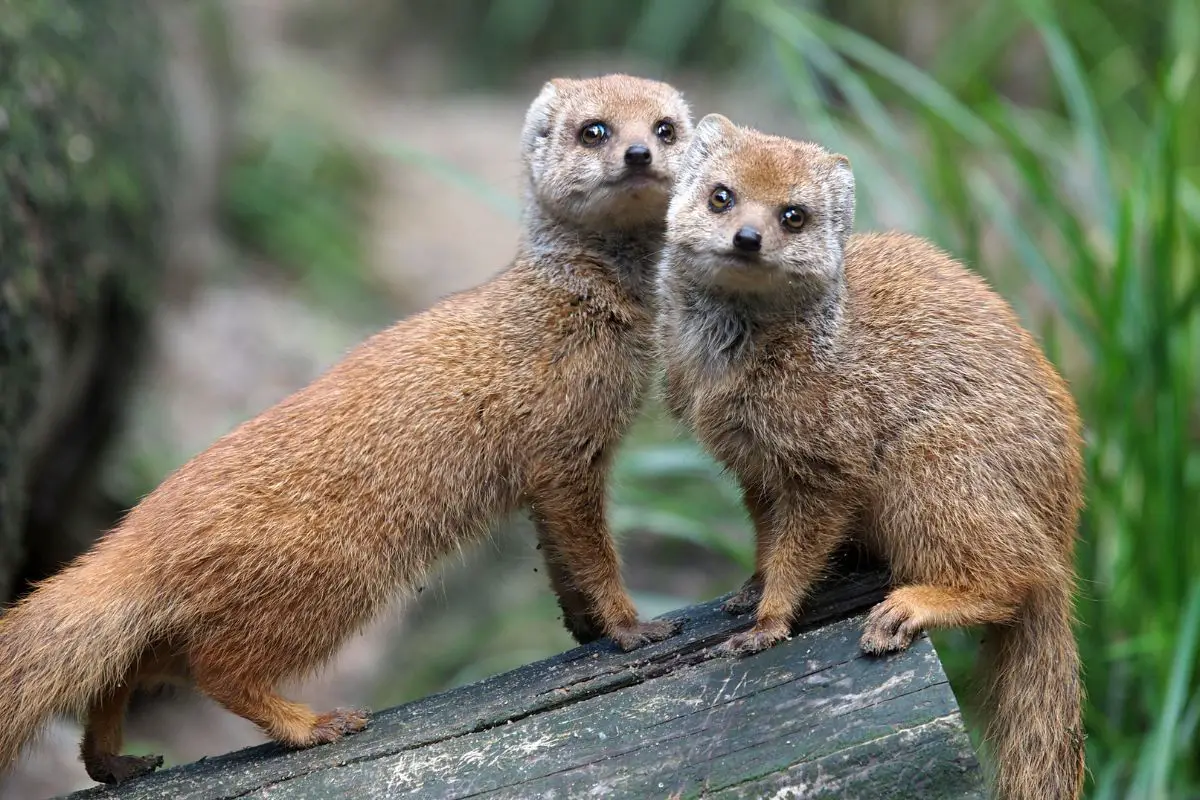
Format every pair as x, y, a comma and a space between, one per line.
748, 239
638, 155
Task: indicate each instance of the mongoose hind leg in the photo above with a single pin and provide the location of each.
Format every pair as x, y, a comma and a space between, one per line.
103, 738
289, 723
909, 610
335, 724
292, 724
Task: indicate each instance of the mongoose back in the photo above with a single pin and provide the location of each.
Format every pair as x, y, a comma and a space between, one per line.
256, 559
871, 386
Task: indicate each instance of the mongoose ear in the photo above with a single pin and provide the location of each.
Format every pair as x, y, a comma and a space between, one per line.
539, 121
711, 134
712, 130
842, 193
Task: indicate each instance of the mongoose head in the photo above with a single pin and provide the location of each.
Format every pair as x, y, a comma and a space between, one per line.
603, 152
759, 213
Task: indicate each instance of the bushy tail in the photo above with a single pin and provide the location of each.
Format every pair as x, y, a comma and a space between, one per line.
1034, 698
63, 645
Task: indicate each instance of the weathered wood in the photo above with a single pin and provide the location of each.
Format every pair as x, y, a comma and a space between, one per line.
812, 717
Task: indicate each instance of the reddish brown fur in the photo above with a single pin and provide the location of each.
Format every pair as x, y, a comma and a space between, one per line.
870, 385
255, 560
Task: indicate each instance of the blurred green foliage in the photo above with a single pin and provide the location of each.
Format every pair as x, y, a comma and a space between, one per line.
491, 42
664, 483
296, 195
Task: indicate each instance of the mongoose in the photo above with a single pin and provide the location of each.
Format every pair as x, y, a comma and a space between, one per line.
256, 559
870, 386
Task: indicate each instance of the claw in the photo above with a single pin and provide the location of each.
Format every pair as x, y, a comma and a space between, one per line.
890, 626
643, 633
754, 640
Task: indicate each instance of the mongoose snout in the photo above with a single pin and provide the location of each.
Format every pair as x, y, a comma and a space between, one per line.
638, 155
748, 239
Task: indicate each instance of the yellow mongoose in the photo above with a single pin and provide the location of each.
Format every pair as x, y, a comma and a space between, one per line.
256, 559
871, 383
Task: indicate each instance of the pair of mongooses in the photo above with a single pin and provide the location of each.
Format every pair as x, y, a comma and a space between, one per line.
845, 380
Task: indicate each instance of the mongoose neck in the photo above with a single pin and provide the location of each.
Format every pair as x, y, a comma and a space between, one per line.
783, 303
632, 254
729, 323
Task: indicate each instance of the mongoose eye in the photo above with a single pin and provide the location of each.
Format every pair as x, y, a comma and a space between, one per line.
720, 200
665, 131
793, 218
593, 134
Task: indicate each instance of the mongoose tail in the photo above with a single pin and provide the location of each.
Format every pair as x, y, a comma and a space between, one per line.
1034, 701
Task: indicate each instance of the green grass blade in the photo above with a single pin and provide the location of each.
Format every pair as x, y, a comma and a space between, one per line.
1030, 254
1152, 776
1081, 104
665, 28
979, 42
900, 73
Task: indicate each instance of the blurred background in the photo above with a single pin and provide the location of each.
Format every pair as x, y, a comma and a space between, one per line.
204, 203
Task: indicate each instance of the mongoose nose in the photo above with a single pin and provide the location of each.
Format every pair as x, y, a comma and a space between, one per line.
638, 155
748, 239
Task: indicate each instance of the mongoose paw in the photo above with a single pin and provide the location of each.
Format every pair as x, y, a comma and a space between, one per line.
746, 599
889, 627
631, 637
118, 769
754, 640
338, 723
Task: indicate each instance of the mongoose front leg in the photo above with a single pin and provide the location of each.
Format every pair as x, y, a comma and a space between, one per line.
102, 741
581, 624
569, 515
909, 610
805, 530
751, 592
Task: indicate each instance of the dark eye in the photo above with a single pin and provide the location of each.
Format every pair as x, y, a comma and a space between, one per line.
593, 134
720, 200
665, 131
793, 218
